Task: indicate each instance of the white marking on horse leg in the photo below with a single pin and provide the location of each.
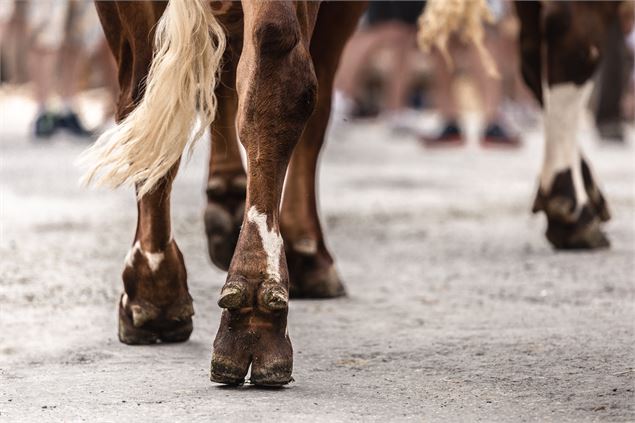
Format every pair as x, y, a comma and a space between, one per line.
307, 246
564, 106
154, 259
271, 242
129, 261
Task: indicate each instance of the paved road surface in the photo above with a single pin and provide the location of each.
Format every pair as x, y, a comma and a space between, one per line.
458, 308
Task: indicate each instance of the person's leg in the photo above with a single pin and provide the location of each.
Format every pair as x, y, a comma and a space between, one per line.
46, 29
399, 80
608, 113
357, 53
495, 132
74, 56
445, 103
42, 67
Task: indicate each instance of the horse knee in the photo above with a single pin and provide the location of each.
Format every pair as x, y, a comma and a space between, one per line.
276, 38
281, 91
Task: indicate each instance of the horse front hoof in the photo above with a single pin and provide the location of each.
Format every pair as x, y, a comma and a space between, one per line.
254, 334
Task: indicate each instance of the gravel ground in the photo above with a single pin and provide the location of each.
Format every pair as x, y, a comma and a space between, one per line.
458, 308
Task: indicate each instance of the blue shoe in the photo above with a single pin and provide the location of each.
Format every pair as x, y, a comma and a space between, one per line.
45, 125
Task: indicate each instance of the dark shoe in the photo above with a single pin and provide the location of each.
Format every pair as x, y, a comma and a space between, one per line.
45, 125
496, 136
450, 136
70, 122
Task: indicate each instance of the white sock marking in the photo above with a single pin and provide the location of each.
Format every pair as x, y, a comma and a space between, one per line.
271, 242
564, 106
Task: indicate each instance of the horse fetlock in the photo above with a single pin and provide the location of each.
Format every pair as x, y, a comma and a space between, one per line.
571, 223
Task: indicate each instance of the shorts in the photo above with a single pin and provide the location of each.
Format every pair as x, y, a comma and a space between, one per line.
406, 12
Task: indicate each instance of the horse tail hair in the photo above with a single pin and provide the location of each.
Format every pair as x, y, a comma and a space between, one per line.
188, 48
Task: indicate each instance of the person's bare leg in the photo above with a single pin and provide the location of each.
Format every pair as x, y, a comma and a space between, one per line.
42, 71
443, 94
357, 53
72, 57
489, 88
398, 83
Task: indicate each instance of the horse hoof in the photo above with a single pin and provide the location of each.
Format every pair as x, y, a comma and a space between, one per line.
255, 335
162, 327
582, 234
313, 276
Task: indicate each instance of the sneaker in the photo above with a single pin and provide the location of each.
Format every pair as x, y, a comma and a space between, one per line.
70, 122
45, 124
496, 136
450, 136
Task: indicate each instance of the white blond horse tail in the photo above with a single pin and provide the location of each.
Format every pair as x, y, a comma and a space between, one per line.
189, 45
442, 18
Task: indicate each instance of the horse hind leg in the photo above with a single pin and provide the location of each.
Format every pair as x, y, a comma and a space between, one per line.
227, 181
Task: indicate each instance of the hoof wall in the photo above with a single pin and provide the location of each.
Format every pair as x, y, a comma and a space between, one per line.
316, 283
226, 372
584, 234
275, 375
152, 332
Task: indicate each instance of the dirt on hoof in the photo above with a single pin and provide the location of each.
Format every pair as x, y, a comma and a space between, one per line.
161, 328
252, 337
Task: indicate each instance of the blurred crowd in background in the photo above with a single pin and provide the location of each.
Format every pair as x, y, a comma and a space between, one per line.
54, 51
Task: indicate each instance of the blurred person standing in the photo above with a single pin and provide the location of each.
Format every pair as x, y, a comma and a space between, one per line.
390, 25
614, 88
60, 33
